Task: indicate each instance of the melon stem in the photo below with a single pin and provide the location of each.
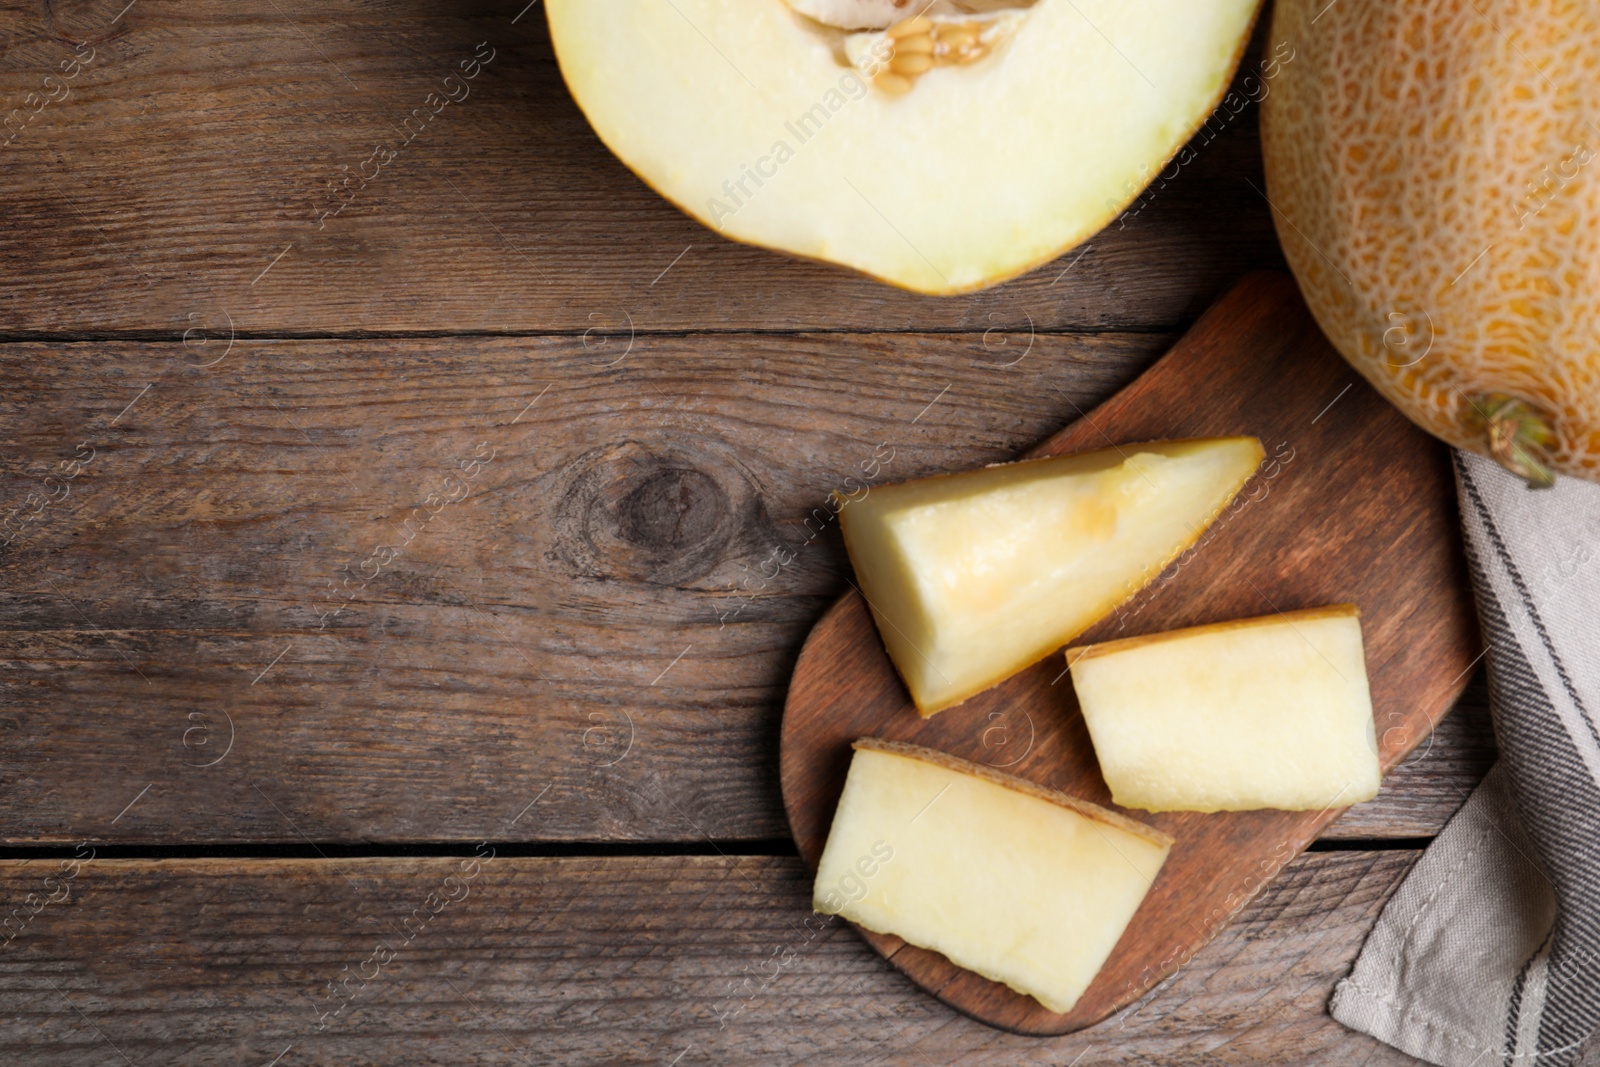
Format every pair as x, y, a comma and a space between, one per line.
1518, 437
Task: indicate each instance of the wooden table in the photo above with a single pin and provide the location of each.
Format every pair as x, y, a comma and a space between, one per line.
357, 521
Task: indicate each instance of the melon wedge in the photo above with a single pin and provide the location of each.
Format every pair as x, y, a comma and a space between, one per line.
972, 577
1272, 712
757, 121
1022, 884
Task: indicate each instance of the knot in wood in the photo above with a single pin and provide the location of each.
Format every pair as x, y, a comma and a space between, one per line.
659, 512
672, 510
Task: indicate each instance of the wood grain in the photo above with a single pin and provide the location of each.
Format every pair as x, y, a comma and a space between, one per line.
594, 615
1353, 505
618, 526
208, 526
199, 145
592, 960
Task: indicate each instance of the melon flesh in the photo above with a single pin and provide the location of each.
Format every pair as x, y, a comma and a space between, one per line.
1022, 885
747, 115
1261, 713
878, 14
972, 577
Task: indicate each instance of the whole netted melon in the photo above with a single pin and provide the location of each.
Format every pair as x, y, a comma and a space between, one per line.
1432, 170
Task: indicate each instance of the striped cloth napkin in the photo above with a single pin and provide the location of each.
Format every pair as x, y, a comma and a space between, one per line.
1489, 953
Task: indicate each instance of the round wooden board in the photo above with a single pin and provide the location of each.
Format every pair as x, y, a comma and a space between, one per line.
1352, 504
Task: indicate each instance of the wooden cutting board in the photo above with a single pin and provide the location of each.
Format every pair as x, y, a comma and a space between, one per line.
1352, 504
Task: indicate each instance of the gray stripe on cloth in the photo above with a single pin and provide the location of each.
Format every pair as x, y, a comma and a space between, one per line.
1557, 799
1427, 982
1490, 950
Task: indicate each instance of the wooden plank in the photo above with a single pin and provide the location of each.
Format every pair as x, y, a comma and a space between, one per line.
585, 960
1352, 505
181, 178
615, 528
600, 581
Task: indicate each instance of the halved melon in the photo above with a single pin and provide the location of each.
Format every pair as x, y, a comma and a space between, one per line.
1028, 128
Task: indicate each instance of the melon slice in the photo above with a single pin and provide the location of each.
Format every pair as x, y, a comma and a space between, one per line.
772, 128
1022, 884
1260, 713
972, 577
